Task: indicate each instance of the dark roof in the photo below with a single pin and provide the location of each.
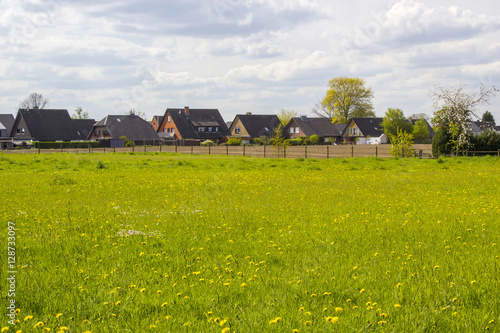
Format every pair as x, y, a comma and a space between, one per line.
186, 123
132, 126
320, 126
159, 119
52, 125
6, 122
370, 126
258, 125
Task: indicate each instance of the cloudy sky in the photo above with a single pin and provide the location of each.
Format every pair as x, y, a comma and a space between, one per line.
242, 55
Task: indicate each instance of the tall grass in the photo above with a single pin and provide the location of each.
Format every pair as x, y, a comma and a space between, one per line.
169, 243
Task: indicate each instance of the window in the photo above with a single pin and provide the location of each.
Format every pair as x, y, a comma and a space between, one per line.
216, 129
291, 130
210, 129
164, 130
201, 129
297, 130
168, 118
237, 130
22, 130
172, 131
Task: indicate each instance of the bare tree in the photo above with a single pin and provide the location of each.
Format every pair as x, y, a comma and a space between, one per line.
286, 115
80, 114
34, 101
456, 108
139, 114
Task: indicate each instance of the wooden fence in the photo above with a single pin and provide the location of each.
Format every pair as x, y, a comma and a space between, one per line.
318, 152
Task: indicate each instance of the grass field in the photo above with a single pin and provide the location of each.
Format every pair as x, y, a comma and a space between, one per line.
175, 243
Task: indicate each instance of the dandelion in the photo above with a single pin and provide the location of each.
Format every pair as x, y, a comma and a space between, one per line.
223, 322
362, 291
118, 302
308, 323
18, 311
226, 330
39, 324
332, 320
46, 329
338, 309
397, 306
4, 329
382, 322
63, 328
399, 285
28, 318
164, 305
59, 315
491, 321
473, 281
143, 290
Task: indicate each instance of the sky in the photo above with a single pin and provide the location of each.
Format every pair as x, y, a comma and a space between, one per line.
242, 56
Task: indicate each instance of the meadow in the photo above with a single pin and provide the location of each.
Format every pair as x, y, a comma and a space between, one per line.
163, 242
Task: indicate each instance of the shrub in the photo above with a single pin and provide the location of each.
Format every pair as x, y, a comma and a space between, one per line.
207, 143
234, 142
314, 139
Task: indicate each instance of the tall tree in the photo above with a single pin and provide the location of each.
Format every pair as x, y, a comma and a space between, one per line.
488, 118
346, 98
34, 101
395, 119
421, 131
456, 108
80, 114
286, 115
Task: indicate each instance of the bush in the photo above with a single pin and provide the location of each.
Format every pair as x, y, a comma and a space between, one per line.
442, 142
314, 139
234, 142
486, 141
207, 143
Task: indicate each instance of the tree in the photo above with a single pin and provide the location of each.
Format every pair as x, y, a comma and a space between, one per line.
134, 112
346, 98
395, 119
80, 114
488, 118
402, 143
420, 131
278, 138
456, 108
286, 115
34, 101
442, 141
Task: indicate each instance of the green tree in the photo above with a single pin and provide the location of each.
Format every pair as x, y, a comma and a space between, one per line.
488, 118
80, 114
402, 143
346, 98
234, 142
278, 139
420, 131
442, 141
286, 115
395, 119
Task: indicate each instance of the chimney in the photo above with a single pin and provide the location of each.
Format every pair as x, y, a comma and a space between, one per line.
249, 113
186, 110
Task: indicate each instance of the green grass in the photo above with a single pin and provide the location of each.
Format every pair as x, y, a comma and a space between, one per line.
172, 243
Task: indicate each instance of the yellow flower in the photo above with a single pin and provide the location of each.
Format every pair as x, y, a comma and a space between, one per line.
338, 309
59, 315
18, 311
164, 304
39, 324
397, 305
4, 329
46, 329
308, 323
399, 285
226, 330
28, 318
63, 328
223, 322
332, 320
275, 320
118, 302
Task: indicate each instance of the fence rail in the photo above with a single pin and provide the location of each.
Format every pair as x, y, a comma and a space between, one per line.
318, 152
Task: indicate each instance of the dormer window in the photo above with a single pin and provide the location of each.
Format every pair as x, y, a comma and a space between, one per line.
201, 129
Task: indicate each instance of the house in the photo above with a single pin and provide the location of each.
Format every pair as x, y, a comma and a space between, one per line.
364, 131
193, 126
156, 122
49, 125
6, 123
304, 126
249, 126
111, 129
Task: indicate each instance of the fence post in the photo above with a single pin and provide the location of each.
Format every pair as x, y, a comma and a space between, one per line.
89, 148
176, 146
227, 150
133, 148
243, 150
208, 150
352, 150
160, 147
61, 147
264, 151
144, 147
284, 151
327, 152
192, 148
498, 152
114, 149
305, 152
376, 151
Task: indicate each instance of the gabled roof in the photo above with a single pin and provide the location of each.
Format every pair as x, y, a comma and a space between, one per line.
320, 126
131, 126
258, 125
52, 125
186, 123
370, 126
6, 122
